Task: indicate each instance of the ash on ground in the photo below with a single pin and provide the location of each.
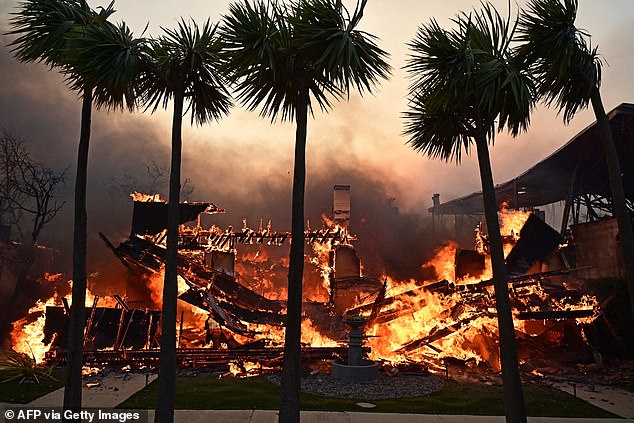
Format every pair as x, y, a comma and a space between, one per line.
384, 387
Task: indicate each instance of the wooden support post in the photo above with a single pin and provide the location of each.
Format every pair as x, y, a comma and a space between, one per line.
120, 328
148, 341
569, 200
180, 331
90, 320
66, 306
127, 328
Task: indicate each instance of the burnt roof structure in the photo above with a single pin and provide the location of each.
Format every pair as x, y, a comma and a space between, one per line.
150, 217
576, 170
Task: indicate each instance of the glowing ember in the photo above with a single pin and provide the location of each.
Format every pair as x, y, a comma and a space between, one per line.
245, 369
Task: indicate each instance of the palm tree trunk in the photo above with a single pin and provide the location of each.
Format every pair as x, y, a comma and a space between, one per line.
167, 364
291, 367
618, 194
72, 389
512, 386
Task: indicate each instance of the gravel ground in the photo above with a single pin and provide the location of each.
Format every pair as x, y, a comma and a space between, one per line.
399, 386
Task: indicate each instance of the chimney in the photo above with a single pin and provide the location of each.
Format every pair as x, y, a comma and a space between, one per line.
341, 205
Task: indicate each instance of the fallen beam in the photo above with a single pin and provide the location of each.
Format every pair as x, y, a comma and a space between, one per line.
191, 356
556, 314
439, 334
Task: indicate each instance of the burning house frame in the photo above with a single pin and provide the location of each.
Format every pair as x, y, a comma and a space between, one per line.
231, 316
232, 304
576, 176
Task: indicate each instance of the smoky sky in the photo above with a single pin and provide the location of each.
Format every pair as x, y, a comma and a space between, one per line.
247, 180
244, 164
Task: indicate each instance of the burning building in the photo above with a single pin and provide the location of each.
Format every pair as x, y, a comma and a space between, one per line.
232, 286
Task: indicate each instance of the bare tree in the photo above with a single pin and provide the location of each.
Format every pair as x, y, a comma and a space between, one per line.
27, 187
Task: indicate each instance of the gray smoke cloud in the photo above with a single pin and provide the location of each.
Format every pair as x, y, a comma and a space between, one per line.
249, 179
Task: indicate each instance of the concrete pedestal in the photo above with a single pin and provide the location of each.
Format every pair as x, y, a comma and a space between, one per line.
366, 371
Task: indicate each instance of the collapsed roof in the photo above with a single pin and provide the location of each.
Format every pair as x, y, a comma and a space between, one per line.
578, 168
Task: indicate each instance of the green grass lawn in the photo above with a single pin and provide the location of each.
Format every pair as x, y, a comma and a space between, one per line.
21, 393
208, 392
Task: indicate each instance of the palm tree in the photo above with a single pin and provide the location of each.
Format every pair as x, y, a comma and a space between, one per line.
568, 72
286, 58
57, 33
466, 87
183, 66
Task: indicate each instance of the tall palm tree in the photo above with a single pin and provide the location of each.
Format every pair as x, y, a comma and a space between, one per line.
183, 67
568, 72
62, 34
286, 58
465, 87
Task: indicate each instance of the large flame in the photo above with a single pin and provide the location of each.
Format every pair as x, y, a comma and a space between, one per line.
27, 334
423, 325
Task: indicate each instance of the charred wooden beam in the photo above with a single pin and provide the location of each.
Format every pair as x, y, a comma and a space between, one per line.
437, 335
122, 303
443, 286
150, 256
556, 314
479, 286
114, 250
254, 316
66, 306
190, 356
91, 319
208, 302
380, 303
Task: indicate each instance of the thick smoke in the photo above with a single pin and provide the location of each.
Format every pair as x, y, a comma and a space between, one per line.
250, 178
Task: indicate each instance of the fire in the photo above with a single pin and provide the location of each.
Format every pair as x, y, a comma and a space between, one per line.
468, 332
511, 221
311, 336
407, 320
245, 368
443, 261
28, 332
322, 260
151, 198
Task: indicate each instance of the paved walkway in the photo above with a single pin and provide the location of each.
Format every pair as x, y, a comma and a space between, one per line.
115, 388
270, 416
111, 391
616, 401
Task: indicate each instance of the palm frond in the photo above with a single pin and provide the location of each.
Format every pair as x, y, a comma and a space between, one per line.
275, 50
332, 46
565, 66
465, 79
440, 133
187, 60
41, 27
88, 50
109, 58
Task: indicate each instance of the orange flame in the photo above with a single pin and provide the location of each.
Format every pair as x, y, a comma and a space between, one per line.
148, 198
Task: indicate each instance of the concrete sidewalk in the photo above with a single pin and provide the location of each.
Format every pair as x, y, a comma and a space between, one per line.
616, 401
115, 388
270, 416
111, 391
